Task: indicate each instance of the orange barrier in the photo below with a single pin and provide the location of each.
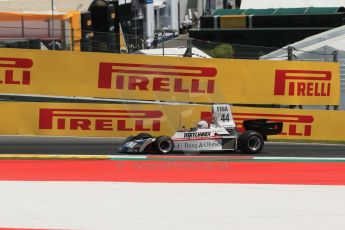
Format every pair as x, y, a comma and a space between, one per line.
117, 120
168, 78
37, 25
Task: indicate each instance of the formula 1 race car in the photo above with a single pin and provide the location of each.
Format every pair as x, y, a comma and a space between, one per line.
220, 135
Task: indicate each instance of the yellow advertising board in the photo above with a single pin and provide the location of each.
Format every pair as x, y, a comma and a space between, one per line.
119, 120
298, 124
69, 119
141, 77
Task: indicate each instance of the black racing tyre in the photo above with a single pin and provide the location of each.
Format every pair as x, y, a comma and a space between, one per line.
128, 139
143, 136
163, 145
125, 141
251, 142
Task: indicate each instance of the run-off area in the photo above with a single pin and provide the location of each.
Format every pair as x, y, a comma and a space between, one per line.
111, 205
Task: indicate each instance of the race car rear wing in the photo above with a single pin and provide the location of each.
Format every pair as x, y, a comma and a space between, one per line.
263, 126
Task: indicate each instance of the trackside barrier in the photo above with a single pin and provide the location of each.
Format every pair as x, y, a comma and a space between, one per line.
298, 124
115, 120
120, 76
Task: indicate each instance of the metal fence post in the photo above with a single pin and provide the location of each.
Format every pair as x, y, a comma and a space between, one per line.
335, 56
290, 53
72, 37
163, 47
188, 52
52, 16
290, 58
335, 59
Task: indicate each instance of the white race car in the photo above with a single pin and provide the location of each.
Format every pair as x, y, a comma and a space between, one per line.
220, 135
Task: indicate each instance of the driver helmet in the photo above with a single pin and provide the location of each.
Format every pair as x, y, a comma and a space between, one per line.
202, 124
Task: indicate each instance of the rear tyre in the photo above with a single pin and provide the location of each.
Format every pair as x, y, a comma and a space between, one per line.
163, 145
251, 142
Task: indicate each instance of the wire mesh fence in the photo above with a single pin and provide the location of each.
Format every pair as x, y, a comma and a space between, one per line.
93, 41
224, 50
69, 39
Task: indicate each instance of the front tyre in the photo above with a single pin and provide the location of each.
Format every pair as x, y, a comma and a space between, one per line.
143, 136
251, 142
163, 145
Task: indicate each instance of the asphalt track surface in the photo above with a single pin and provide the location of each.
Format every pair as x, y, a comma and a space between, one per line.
108, 146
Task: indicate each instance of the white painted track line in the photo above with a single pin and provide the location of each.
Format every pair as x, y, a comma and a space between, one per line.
94, 205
